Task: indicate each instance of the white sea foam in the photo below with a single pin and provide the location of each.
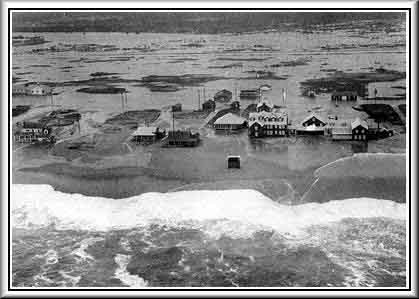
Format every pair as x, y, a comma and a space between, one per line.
123, 275
241, 210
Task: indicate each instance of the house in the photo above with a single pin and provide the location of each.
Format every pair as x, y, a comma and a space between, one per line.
223, 96
264, 106
28, 132
252, 94
268, 124
181, 138
230, 122
235, 105
208, 105
146, 134
359, 129
233, 161
177, 107
38, 89
348, 95
313, 124
35, 89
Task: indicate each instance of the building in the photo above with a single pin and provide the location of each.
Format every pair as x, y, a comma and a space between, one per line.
264, 106
359, 129
313, 119
268, 124
177, 107
252, 94
235, 105
233, 162
181, 138
145, 134
223, 96
348, 95
313, 124
19, 89
34, 89
28, 132
341, 133
208, 105
230, 122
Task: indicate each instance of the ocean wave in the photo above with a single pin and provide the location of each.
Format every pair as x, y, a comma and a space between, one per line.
238, 212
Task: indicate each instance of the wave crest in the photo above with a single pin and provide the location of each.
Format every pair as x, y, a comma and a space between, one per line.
35, 206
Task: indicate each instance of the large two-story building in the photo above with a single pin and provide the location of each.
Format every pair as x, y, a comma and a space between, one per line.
268, 124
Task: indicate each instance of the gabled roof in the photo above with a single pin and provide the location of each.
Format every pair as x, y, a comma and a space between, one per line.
269, 104
255, 122
230, 119
145, 131
358, 122
315, 116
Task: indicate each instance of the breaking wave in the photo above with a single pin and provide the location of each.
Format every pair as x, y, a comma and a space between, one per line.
236, 211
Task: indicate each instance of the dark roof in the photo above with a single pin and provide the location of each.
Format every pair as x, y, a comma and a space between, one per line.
29, 125
183, 135
223, 92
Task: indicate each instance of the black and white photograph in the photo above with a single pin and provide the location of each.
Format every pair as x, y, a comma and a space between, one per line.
207, 149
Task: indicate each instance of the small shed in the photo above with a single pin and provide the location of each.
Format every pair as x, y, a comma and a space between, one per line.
223, 95
208, 105
177, 107
233, 161
348, 95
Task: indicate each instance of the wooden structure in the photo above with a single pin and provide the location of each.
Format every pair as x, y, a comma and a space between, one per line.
264, 106
252, 94
208, 105
312, 125
146, 134
348, 95
341, 133
223, 96
235, 105
181, 138
268, 124
29, 132
359, 130
313, 119
230, 122
177, 107
233, 161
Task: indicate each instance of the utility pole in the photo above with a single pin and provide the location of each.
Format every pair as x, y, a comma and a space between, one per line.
173, 120
199, 99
